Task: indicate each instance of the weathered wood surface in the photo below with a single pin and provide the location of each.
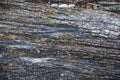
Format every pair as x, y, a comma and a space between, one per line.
64, 1
79, 44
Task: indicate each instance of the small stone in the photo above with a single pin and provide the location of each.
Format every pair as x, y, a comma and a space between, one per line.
63, 6
54, 5
71, 5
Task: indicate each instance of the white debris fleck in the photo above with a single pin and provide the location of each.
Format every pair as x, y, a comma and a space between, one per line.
54, 5
107, 31
37, 60
56, 35
63, 6
71, 5
21, 46
61, 74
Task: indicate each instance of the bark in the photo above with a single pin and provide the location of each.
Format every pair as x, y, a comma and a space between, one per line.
81, 44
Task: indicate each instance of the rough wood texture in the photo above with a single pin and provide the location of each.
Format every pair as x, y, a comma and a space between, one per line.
70, 44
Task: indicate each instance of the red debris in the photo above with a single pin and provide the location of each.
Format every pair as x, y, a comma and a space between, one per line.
88, 6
